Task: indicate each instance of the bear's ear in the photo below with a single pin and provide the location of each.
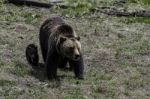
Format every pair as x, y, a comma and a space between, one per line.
62, 39
78, 38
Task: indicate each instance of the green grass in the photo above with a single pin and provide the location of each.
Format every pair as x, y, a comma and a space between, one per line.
116, 55
7, 83
130, 20
20, 69
72, 94
79, 8
137, 5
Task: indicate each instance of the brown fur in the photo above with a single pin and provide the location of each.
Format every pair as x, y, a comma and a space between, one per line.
59, 45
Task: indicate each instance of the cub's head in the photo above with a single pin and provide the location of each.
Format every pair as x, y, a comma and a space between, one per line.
70, 47
32, 51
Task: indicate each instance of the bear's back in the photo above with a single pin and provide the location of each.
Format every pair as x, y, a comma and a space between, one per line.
47, 28
50, 23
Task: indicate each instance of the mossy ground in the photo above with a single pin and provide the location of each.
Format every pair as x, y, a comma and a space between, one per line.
116, 55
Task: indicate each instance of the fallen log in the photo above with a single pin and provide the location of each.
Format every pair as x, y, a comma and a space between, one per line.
114, 12
36, 3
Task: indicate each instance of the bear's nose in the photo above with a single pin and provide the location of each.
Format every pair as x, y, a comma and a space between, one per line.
77, 56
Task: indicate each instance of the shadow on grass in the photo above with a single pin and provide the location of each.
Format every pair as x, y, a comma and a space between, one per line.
39, 72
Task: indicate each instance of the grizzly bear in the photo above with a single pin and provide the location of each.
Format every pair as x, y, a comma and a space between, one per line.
32, 54
59, 45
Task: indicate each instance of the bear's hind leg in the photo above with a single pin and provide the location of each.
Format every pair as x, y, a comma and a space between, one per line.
44, 54
44, 48
51, 65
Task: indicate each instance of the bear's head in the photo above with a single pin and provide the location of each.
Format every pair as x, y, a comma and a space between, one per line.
70, 47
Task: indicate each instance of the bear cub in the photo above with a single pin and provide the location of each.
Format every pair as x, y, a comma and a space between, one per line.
32, 55
60, 45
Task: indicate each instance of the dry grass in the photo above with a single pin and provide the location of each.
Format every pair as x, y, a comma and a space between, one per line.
116, 54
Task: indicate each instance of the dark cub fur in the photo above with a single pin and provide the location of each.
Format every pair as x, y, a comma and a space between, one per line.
32, 54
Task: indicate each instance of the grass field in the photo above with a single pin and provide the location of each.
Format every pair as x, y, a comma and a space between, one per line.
116, 55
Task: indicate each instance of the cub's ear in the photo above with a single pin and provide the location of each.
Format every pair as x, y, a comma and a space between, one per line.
62, 39
78, 38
